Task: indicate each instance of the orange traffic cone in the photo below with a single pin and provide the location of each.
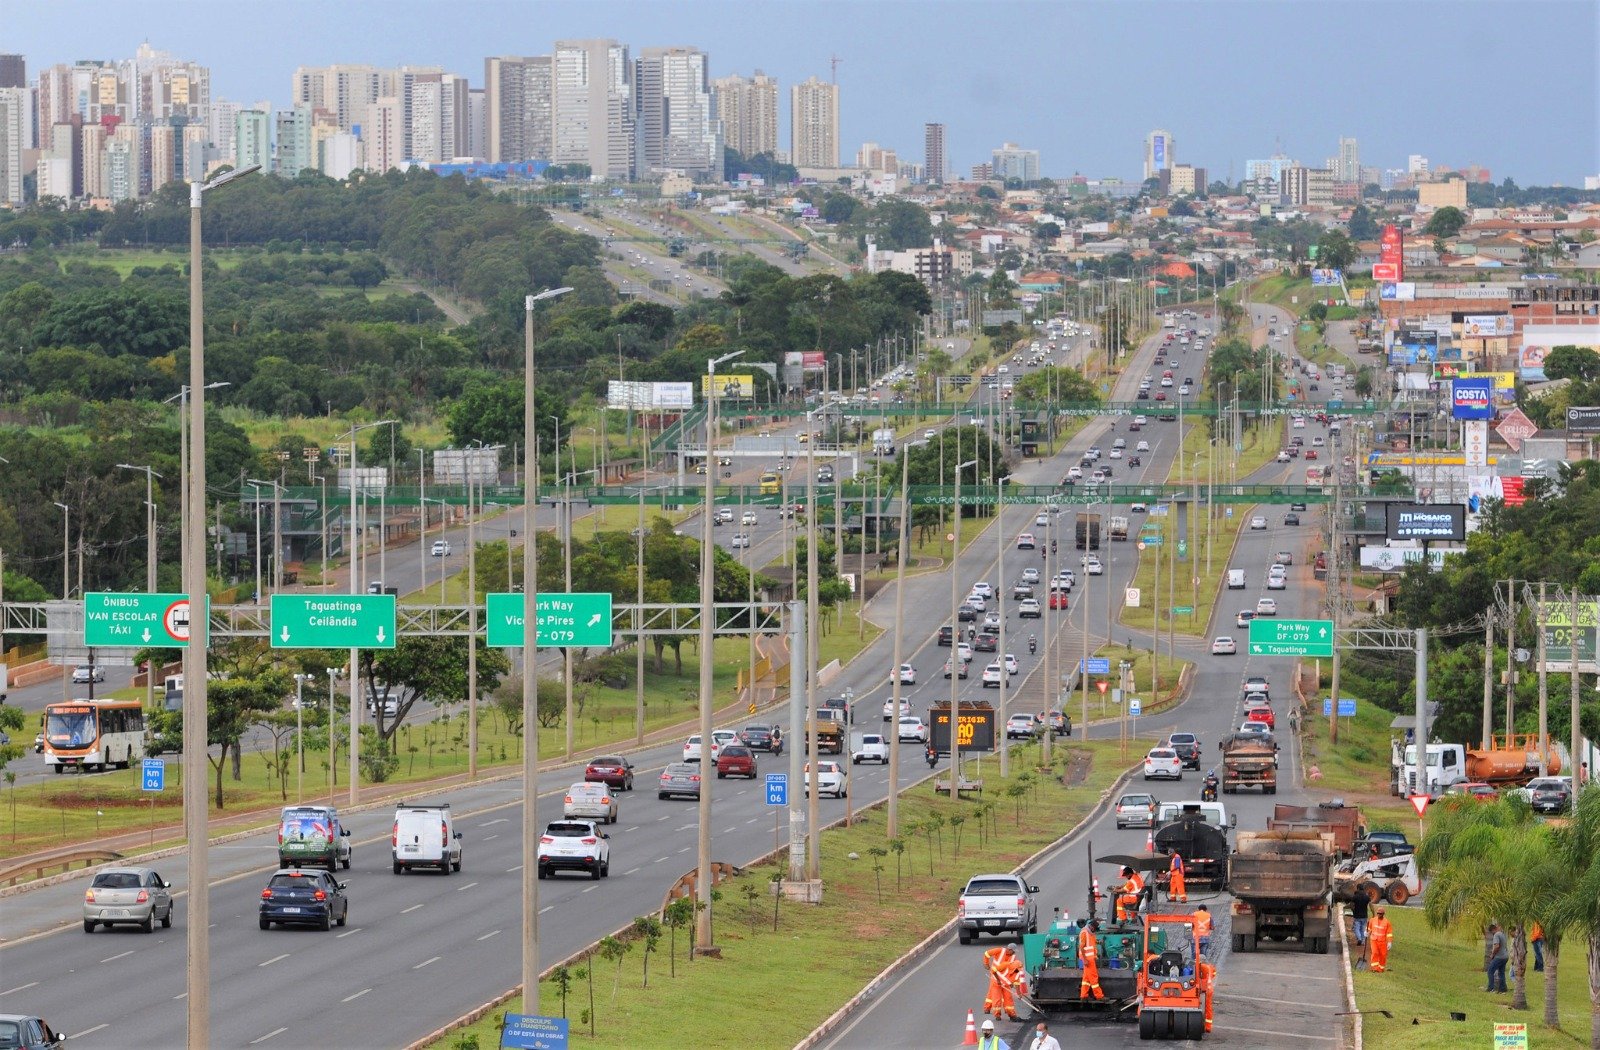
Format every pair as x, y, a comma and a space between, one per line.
971, 1038
1149, 842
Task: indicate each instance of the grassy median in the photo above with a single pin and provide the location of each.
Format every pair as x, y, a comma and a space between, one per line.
813, 958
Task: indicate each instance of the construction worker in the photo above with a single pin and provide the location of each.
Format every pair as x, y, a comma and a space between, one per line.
1013, 979
993, 959
1202, 929
1175, 888
1381, 935
988, 1040
1089, 959
1128, 894
1208, 985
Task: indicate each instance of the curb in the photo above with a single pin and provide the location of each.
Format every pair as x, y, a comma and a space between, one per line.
1349, 980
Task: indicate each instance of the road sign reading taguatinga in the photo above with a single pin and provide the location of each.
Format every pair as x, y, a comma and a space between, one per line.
333, 621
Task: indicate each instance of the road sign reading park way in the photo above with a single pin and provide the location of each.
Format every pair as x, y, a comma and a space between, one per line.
1275, 637
135, 620
578, 620
333, 621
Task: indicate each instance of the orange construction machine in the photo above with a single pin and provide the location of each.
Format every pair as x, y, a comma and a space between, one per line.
1177, 986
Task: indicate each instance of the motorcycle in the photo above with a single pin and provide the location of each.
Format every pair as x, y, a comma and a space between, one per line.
932, 756
1033, 644
1208, 793
1134, 461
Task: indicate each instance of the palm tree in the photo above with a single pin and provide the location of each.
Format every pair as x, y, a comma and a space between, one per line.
1578, 905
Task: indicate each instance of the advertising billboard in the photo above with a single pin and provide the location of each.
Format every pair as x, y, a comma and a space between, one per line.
729, 386
806, 360
1327, 276
1505, 387
1583, 420
1394, 559
1393, 289
1392, 251
1538, 339
1475, 443
1431, 521
1413, 346
1451, 370
672, 396
1158, 151
1472, 397
1487, 325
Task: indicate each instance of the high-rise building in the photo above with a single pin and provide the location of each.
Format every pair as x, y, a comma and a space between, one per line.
1417, 164
196, 153
593, 115
1348, 165
342, 154
424, 111
224, 126
122, 164
1270, 168
13, 71
747, 108
1301, 186
814, 124
518, 95
455, 114
384, 134
14, 124
873, 157
295, 153
166, 154
252, 139
676, 125
346, 91
477, 124
92, 154
1011, 161
933, 155
1159, 153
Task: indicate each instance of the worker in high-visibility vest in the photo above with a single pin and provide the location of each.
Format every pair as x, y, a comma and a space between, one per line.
1013, 980
1380, 936
993, 963
1208, 985
1175, 887
1202, 930
1089, 959
1128, 894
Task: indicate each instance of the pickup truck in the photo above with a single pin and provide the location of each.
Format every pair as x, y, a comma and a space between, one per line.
1000, 904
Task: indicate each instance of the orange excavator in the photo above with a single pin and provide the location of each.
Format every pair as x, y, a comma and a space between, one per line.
1177, 987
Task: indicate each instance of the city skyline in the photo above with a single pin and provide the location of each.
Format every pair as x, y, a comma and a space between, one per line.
1105, 80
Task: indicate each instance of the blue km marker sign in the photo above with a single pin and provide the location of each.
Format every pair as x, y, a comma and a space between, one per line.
777, 789
155, 774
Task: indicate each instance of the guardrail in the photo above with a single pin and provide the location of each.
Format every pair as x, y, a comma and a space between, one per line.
37, 865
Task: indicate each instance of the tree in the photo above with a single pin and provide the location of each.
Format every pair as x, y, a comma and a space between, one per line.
1577, 907
1336, 250
1580, 363
1446, 222
838, 208
1362, 226
232, 706
1057, 385
492, 413
430, 666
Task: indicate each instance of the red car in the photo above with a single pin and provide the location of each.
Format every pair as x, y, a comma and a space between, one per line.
1058, 599
612, 770
1261, 714
1311, 453
736, 760
1474, 789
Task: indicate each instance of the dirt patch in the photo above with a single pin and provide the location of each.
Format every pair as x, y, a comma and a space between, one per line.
1078, 763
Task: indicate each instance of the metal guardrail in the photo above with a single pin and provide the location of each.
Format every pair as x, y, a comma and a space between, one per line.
37, 865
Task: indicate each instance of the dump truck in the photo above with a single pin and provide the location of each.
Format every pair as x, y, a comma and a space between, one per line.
1119, 529
1194, 833
830, 738
1087, 533
1249, 760
1281, 882
1345, 822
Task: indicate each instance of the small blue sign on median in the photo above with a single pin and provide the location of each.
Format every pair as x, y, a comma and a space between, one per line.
1096, 665
155, 774
532, 1032
777, 789
1347, 707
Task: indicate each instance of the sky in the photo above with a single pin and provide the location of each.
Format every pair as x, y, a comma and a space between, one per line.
1510, 85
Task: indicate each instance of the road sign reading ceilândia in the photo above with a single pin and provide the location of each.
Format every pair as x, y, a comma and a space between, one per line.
333, 621
578, 620
136, 620
1281, 637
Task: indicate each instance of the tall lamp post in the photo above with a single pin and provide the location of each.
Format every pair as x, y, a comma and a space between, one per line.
354, 749
277, 530
149, 565
196, 730
530, 684
66, 551
182, 397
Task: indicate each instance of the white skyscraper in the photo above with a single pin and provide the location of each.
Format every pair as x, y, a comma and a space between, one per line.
517, 100
1011, 161
384, 134
295, 152
14, 122
677, 131
426, 109
593, 119
1347, 167
1159, 153
252, 139
814, 124
747, 108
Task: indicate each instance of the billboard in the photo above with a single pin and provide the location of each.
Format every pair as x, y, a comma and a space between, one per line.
1583, 420
1391, 253
1475, 443
1487, 325
806, 360
1538, 339
1413, 346
1158, 151
1431, 521
1393, 559
624, 395
1451, 370
1391, 289
1327, 277
1472, 397
729, 386
1505, 387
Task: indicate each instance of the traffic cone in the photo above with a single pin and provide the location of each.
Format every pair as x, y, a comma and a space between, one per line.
972, 1031
1149, 842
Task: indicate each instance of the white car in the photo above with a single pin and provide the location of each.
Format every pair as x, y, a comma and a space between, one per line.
873, 748
1222, 645
1277, 582
740, 539
720, 738
912, 728
748, 518
1022, 726
441, 549
889, 711
1141, 420
908, 674
1030, 575
1243, 619
1041, 521
992, 675
1075, 473
1098, 477
977, 601
983, 589
1093, 567
1064, 580
590, 800
692, 749
1026, 542
1028, 608
725, 515
1163, 762
1255, 728
1266, 607
1143, 446
1138, 508
964, 652
1258, 523
574, 845
1012, 666
1299, 422
832, 779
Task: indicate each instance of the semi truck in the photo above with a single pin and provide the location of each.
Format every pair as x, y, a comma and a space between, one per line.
1119, 529
1249, 760
1281, 882
1088, 531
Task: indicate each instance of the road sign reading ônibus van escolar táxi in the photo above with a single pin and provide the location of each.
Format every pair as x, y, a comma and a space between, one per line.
333, 621
577, 620
136, 620
1280, 637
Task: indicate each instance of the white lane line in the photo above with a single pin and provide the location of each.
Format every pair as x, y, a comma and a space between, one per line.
33, 984
468, 886
275, 958
486, 838
347, 933
517, 868
181, 995
630, 871
634, 828
120, 955
546, 908
427, 962
353, 998
683, 850
664, 816
659, 860
1286, 1035
407, 911
590, 889
96, 1028
1285, 973
752, 820
492, 823
491, 933
269, 1035
729, 831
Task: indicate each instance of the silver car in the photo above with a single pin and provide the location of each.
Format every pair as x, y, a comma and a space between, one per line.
127, 897
590, 800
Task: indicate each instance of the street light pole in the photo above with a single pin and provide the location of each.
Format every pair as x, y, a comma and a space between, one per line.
66, 551
149, 567
354, 748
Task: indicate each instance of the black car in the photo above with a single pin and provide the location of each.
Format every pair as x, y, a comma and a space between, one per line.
25, 1032
946, 634
304, 897
1297, 506
1550, 794
1187, 745
762, 738
966, 613
1291, 518
987, 643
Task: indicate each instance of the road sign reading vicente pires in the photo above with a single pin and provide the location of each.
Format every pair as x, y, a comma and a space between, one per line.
333, 621
581, 620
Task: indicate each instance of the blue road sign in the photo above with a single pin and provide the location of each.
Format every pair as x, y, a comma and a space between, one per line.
1097, 665
155, 774
777, 789
1347, 707
1134, 707
532, 1032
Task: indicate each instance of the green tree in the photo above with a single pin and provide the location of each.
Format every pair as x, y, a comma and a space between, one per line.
1336, 250
1445, 223
1362, 226
1057, 385
492, 413
1576, 907
431, 667
1579, 363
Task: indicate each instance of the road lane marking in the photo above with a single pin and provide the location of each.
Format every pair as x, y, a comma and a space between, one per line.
1287, 1002
659, 860
269, 1035
1286, 1035
181, 995
33, 984
634, 828
546, 908
664, 816
347, 933
517, 868
492, 823
275, 958
96, 1028
407, 911
491, 933
121, 955
683, 850
1285, 973
352, 998
468, 886
590, 889
427, 962
486, 838
630, 871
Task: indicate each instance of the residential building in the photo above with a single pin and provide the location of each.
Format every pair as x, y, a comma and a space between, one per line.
252, 139
346, 91
677, 127
1417, 164
1270, 168
61, 160
295, 152
1187, 179
1347, 167
92, 161
121, 179
1306, 187
1451, 193
593, 115
342, 154
1011, 161
982, 172
933, 155
477, 124
224, 125
814, 124
384, 135
455, 116
197, 153
518, 95
14, 123
748, 110
934, 265
13, 71
166, 154
873, 157
1159, 153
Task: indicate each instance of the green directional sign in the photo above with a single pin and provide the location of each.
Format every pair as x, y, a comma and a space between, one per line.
577, 620
1279, 637
136, 620
1183, 610
333, 621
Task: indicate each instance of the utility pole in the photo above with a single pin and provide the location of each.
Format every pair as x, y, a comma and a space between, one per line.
1544, 684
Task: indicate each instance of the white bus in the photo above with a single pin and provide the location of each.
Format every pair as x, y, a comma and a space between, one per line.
93, 734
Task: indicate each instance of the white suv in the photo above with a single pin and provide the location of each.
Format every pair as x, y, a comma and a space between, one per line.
1163, 762
574, 845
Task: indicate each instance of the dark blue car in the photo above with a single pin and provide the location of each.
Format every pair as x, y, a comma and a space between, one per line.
304, 897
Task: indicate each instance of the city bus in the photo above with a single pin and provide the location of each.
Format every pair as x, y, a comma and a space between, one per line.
93, 734
771, 485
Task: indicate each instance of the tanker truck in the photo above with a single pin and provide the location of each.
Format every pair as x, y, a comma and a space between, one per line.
1509, 761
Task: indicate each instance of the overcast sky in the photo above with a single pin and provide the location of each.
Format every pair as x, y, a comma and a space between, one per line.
1509, 84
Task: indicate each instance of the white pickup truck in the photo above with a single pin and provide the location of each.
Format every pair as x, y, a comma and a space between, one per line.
1002, 904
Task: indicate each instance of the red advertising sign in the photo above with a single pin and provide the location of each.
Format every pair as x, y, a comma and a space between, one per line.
1514, 429
1383, 271
1391, 248
1511, 492
814, 360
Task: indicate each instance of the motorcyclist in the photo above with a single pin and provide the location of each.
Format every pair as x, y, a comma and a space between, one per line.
1208, 793
1134, 461
1052, 546
1033, 644
932, 756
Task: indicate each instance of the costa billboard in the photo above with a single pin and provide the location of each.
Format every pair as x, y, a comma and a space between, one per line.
1430, 521
1472, 397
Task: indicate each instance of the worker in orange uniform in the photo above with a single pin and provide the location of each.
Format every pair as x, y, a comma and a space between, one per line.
1208, 985
1128, 894
1089, 959
1380, 935
1175, 887
1202, 930
993, 962
1013, 979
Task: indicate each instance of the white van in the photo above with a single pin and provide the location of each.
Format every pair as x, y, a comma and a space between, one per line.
1235, 579
424, 836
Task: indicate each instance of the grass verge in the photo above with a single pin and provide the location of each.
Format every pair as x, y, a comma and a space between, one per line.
882, 904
